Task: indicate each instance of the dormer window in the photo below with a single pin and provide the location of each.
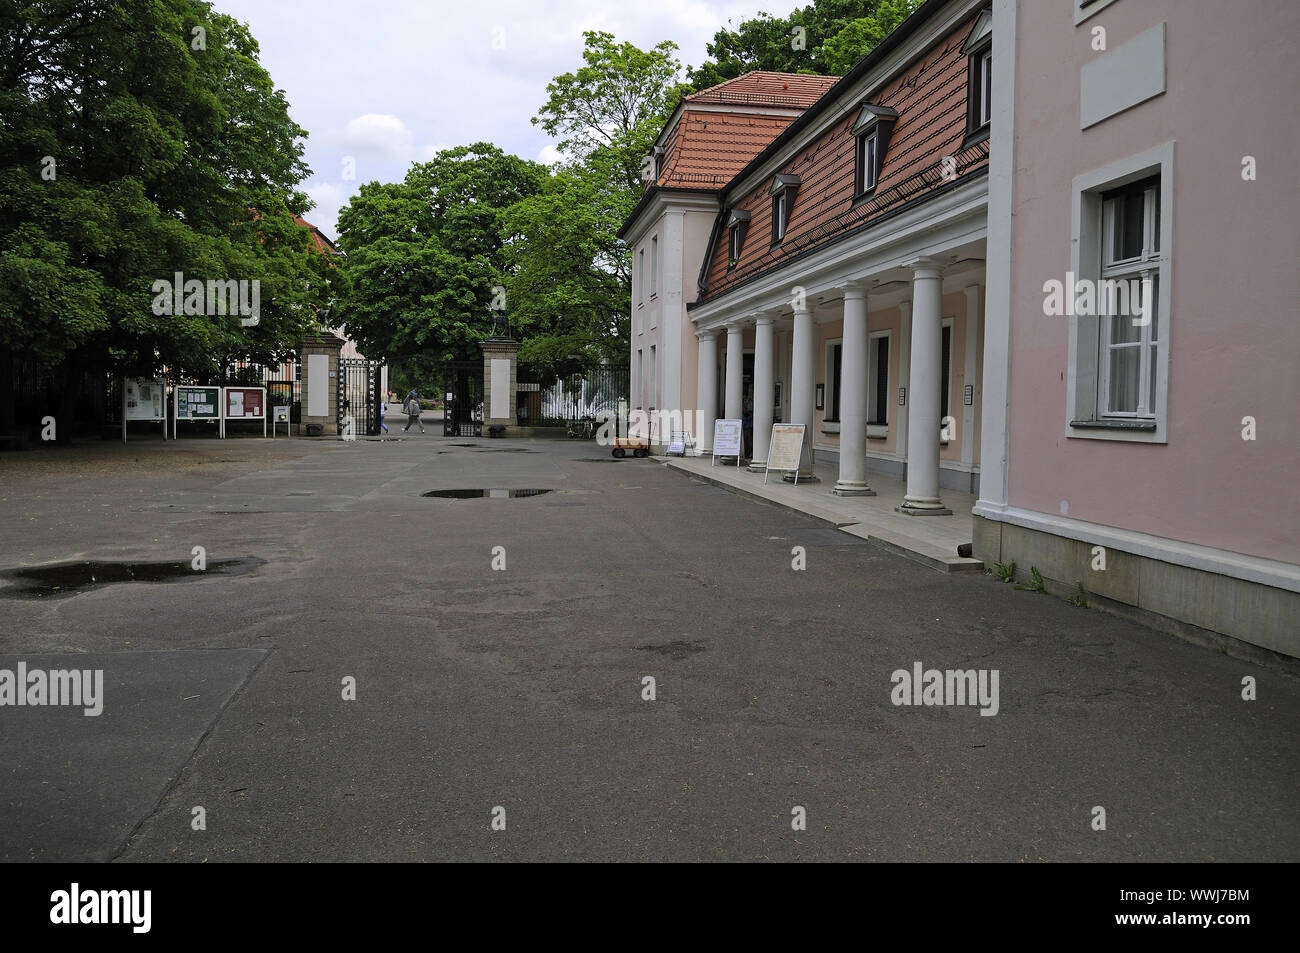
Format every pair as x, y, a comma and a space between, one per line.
872, 129
783, 191
979, 77
737, 225
658, 153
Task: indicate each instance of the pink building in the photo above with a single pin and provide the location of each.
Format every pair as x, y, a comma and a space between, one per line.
1035, 251
1146, 146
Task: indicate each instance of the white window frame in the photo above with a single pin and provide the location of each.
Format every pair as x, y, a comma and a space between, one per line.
868, 149
654, 378
640, 277
778, 211
878, 430
1085, 417
828, 397
654, 267
951, 325
986, 88
1145, 266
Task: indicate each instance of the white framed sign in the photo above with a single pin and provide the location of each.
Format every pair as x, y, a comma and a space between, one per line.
143, 399
243, 403
195, 403
728, 439
786, 449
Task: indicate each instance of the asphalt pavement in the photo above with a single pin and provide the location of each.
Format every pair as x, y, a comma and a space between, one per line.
519, 694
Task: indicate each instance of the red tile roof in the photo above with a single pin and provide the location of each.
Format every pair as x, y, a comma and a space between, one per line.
323, 244
707, 149
764, 88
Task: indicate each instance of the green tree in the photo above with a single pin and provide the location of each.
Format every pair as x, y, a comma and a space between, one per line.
142, 138
570, 277
826, 38
859, 37
425, 256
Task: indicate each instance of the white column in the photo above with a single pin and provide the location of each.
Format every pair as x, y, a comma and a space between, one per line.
707, 391
764, 388
803, 382
922, 497
853, 396
974, 298
735, 385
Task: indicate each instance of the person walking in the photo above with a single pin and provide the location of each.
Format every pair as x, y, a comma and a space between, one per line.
412, 410
383, 412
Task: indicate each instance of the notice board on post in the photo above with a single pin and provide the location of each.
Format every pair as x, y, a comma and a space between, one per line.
196, 403
727, 440
143, 399
243, 403
786, 449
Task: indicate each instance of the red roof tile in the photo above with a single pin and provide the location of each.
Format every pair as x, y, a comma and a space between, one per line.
761, 87
708, 148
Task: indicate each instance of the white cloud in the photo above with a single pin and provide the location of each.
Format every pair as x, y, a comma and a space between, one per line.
329, 198
378, 134
549, 155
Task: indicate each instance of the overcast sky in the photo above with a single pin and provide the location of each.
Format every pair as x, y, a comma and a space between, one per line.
388, 82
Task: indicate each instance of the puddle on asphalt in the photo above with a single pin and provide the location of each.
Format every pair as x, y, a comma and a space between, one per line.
501, 494
67, 579
598, 460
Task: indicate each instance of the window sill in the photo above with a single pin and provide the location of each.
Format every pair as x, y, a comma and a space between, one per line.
863, 197
830, 426
877, 431
978, 135
1114, 424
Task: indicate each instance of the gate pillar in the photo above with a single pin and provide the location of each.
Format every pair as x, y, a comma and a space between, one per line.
500, 379
320, 370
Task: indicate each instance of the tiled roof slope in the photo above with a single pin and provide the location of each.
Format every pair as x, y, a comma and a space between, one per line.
763, 88
708, 146
321, 243
930, 96
707, 149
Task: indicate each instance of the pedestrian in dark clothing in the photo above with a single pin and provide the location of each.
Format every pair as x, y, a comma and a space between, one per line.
412, 410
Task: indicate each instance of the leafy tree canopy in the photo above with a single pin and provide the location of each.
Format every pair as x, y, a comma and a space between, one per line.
826, 38
425, 256
141, 138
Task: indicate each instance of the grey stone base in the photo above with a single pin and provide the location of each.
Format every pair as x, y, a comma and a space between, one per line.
853, 491
923, 511
1244, 619
809, 477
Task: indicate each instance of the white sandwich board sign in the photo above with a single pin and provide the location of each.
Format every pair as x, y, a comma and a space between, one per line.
786, 449
728, 439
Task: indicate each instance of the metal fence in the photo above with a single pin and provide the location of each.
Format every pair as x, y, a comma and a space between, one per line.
551, 400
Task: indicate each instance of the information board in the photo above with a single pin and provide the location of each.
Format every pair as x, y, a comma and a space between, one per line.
727, 440
145, 399
195, 403
243, 403
786, 449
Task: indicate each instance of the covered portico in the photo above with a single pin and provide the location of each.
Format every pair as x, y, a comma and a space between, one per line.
861, 351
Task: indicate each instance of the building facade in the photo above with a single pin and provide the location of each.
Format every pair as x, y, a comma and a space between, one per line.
1144, 450
1039, 252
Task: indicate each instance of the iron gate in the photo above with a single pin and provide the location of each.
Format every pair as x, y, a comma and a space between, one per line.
358, 395
462, 412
